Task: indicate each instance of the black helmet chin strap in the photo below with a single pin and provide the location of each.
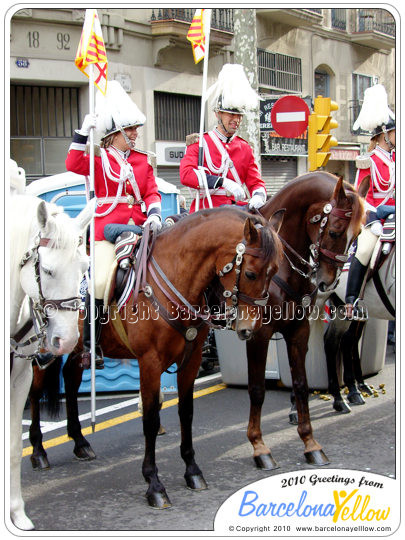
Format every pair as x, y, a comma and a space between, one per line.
387, 139
130, 143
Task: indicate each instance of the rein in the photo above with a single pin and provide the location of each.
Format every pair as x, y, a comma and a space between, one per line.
190, 333
39, 308
317, 252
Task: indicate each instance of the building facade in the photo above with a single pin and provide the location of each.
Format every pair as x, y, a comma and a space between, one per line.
336, 53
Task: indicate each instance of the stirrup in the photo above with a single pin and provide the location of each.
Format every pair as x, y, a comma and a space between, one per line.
359, 312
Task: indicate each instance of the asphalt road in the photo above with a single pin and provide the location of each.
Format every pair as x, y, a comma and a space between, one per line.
107, 494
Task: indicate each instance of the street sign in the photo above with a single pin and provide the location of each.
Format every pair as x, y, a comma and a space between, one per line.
289, 116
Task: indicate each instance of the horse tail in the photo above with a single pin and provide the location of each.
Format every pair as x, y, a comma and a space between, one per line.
51, 388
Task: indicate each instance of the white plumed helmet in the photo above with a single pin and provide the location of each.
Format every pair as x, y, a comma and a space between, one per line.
375, 115
232, 91
116, 110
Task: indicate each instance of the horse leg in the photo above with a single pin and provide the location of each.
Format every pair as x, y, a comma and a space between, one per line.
297, 346
332, 344
39, 458
351, 362
292, 415
256, 349
20, 382
156, 493
185, 381
72, 375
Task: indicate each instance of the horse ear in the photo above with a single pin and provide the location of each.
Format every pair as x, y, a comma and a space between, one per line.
276, 219
364, 186
339, 194
250, 232
42, 214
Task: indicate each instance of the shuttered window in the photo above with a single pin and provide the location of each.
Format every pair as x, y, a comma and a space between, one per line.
42, 121
176, 116
278, 171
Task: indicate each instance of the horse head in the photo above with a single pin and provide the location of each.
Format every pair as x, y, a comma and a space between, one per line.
331, 226
51, 272
257, 259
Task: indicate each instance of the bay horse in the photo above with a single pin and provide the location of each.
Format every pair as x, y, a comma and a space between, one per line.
322, 216
225, 250
47, 264
342, 336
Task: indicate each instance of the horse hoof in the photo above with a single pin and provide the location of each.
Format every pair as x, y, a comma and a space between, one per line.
158, 500
316, 457
355, 398
84, 453
40, 463
341, 406
162, 430
293, 418
365, 388
266, 462
196, 482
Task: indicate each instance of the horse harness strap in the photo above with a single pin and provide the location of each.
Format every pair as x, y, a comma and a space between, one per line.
38, 308
304, 300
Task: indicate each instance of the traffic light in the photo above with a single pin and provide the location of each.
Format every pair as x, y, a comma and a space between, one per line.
320, 122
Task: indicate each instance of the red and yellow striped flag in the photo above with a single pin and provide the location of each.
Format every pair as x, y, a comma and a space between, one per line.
91, 50
196, 35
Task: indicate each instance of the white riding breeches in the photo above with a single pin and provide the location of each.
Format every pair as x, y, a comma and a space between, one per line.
104, 255
366, 242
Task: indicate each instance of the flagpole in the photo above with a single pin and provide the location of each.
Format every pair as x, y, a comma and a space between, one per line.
92, 265
207, 29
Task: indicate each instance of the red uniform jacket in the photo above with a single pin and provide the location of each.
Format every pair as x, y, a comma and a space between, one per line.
379, 181
78, 162
241, 154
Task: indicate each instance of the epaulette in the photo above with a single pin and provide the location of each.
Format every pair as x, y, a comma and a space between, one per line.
192, 138
363, 161
96, 149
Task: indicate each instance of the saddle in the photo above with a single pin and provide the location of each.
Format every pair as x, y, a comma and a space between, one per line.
126, 239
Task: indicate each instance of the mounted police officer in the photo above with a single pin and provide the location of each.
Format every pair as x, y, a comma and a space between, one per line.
229, 162
379, 164
124, 184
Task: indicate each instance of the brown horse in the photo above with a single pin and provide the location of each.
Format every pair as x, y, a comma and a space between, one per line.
322, 216
236, 251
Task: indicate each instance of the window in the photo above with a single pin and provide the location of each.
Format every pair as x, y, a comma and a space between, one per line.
42, 120
339, 19
279, 71
176, 116
359, 84
322, 84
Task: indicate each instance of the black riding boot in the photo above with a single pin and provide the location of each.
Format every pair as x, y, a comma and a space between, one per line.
355, 279
86, 355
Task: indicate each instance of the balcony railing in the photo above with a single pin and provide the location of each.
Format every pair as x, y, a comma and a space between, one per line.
279, 71
339, 19
221, 19
375, 20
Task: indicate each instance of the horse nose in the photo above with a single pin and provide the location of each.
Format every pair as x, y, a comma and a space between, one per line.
245, 334
60, 346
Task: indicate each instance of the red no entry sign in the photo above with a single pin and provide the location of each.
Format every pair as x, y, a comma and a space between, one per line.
289, 116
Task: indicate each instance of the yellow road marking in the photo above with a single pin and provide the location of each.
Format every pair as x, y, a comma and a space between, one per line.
121, 419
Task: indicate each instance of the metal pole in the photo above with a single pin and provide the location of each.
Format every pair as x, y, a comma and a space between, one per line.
92, 289
207, 28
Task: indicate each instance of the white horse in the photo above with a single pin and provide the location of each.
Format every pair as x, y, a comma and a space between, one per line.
47, 263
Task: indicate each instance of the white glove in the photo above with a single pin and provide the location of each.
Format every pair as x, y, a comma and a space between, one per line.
256, 201
155, 222
234, 188
89, 122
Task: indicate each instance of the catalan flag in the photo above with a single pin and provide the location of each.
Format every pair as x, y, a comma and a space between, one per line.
91, 50
196, 35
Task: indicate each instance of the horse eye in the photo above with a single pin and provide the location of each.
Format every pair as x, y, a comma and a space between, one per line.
334, 234
47, 271
251, 275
